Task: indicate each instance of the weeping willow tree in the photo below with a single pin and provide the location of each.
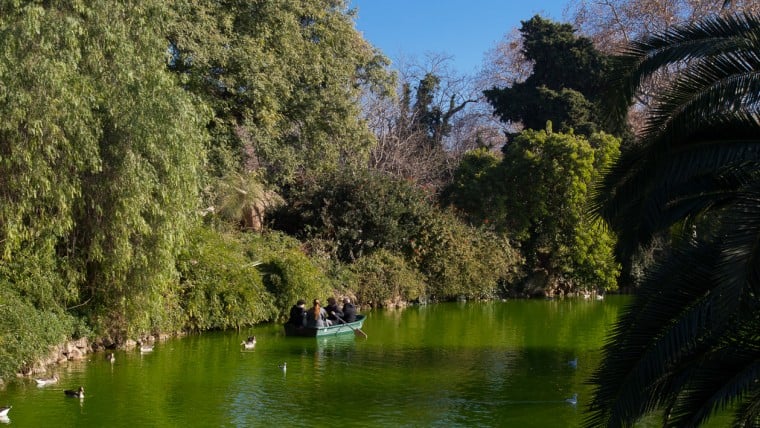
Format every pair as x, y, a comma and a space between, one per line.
284, 80
100, 155
688, 345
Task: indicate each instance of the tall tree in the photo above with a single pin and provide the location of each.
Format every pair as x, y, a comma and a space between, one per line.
101, 155
688, 344
565, 83
537, 196
283, 79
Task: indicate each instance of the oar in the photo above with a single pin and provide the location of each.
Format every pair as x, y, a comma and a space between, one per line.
357, 331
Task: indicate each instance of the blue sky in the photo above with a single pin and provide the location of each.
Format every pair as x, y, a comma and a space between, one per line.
464, 29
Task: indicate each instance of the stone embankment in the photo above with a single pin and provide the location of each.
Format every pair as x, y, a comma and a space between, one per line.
76, 350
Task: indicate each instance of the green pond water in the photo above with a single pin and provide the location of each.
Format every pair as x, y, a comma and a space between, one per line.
452, 364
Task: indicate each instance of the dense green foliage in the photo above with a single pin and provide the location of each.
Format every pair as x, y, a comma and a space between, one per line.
98, 184
23, 328
221, 286
358, 210
474, 174
289, 274
537, 194
383, 278
688, 345
460, 260
283, 79
566, 83
104, 148
363, 212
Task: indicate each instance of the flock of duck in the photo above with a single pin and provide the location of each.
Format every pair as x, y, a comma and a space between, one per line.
75, 393
248, 344
573, 364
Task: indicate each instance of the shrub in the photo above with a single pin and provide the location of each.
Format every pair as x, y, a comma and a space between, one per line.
288, 273
359, 211
383, 278
220, 285
459, 260
27, 332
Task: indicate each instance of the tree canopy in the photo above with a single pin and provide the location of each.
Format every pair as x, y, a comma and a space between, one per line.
537, 194
101, 156
283, 80
564, 86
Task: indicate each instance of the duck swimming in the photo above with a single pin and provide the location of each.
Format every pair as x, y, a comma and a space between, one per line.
146, 348
249, 343
284, 366
46, 380
79, 393
4, 411
110, 357
572, 400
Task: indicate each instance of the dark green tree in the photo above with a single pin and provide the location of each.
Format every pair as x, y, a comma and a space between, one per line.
565, 85
360, 211
688, 344
469, 189
537, 195
545, 182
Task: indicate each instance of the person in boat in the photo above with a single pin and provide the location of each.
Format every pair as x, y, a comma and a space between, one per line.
316, 316
349, 310
298, 314
333, 311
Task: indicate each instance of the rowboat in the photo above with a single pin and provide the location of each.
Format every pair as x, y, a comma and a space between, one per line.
340, 328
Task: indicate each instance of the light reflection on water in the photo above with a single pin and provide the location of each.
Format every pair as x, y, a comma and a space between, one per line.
474, 364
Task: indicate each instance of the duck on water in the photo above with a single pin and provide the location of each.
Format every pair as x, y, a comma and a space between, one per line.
78, 393
46, 380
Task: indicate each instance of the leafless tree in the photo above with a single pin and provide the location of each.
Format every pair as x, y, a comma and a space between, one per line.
612, 23
403, 146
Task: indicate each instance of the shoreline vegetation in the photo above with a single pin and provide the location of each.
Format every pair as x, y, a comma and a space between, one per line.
188, 167
184, 166
79, 349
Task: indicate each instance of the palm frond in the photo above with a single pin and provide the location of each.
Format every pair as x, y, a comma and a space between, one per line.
748, 414
687, 303
719, 35
688, 343
722, 378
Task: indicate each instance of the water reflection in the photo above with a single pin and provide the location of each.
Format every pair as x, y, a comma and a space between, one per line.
473, 364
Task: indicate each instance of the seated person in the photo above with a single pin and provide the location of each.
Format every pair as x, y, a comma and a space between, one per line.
333, 311
298, 314
316, 316
349, 310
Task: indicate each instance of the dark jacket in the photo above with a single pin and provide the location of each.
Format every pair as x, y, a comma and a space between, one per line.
297, 316
349, 312
333, 308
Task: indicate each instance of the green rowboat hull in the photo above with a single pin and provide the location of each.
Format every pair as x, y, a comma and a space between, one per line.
291, 330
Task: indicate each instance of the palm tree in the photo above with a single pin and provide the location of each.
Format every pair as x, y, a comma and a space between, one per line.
244, 199
689, 343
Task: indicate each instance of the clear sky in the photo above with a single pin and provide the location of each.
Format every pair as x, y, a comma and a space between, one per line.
464, 29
